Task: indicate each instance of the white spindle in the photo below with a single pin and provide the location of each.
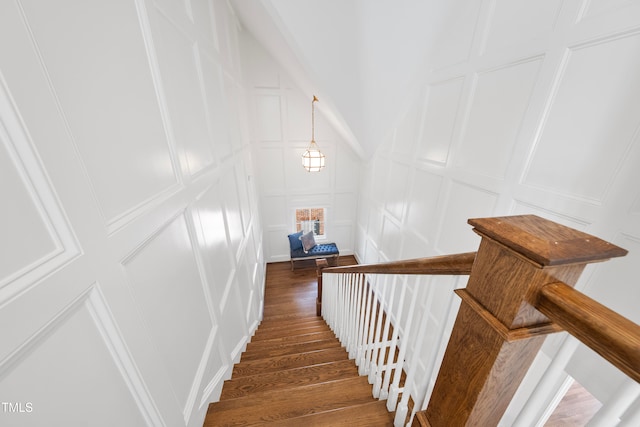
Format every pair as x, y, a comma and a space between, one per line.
632, 416
373, 370
395, 389
353, 316
411, 386
366, 326
384, 366
372, 326
612, 411
392, 363
357, 301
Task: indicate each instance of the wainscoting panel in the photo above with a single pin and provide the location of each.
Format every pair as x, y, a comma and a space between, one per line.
180, 64
443, 103
269, 127
531, 108
118, 242
514, 23
270, 168
498, 105
218, 262
88, 73
599, 73
396, 189
425, 194
49, 375
213, 92
157, 273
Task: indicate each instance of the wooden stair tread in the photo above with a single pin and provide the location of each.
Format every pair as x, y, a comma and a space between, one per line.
288, 361
291, 349
293, 318
267, 324
290, 339
365, 415
283, 379
284, 404
279, 332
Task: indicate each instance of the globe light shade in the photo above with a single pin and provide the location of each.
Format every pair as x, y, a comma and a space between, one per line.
313, 159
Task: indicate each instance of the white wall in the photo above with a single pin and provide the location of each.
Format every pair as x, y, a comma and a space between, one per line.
281, 132
131, 268
530, 107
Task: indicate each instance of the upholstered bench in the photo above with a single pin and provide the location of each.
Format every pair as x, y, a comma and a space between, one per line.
306, 249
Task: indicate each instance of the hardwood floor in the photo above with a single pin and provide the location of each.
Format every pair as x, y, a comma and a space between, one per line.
294, 371
575, 409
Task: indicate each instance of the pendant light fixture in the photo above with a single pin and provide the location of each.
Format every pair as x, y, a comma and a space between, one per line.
313, 159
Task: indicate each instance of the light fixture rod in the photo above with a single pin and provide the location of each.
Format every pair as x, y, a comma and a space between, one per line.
313, 118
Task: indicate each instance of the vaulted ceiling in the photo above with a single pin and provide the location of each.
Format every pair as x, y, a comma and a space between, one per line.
362, 58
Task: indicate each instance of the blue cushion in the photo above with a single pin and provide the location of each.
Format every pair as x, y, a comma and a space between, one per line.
294, 241
323, 249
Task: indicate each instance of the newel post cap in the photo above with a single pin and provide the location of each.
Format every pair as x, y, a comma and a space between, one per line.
545, 242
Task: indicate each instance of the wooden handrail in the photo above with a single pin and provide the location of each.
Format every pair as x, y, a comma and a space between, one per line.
458, 264
521, 277
615, 338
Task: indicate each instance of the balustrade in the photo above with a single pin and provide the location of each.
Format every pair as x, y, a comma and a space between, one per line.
519, 290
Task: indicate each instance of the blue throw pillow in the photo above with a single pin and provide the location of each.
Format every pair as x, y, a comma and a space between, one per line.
294, 241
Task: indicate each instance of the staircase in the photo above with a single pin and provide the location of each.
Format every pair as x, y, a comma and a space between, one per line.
295, 371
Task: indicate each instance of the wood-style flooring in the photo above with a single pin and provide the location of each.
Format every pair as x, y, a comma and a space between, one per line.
294, 371
574, 410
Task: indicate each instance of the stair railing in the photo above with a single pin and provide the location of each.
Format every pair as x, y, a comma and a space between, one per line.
519, 290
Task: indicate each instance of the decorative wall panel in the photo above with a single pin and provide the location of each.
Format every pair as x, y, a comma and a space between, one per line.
515, 23
212, 236
583, 143
396, 189
498, 106
74, 345
408, 129
594, 8
270, 169
274, 210
200, 13
391, 239
347, 170
106, 71
345, 207
298, 117
425, 196
456, 42
216, 107
36, 235
180, 69
28, 237
167, 287
439, 119
269, 126
233, 215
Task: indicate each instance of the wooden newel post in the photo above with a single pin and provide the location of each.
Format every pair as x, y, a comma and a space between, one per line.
497, 333
321, 264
